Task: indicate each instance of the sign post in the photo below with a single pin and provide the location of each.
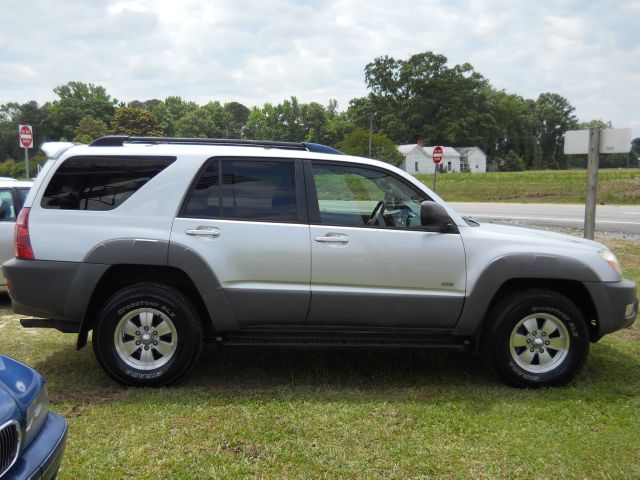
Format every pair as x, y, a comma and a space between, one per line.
593, 158
593, 142
437, 158
25, 133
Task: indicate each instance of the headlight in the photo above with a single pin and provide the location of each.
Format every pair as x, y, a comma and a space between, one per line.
611, 259
37, 414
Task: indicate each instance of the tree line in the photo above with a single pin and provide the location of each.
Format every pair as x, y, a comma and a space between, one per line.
422, 97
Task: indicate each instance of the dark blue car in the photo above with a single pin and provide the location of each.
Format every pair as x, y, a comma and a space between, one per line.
32, 439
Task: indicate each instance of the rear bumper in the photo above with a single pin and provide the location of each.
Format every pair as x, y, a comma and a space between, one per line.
616, 304
57, 290
41, 459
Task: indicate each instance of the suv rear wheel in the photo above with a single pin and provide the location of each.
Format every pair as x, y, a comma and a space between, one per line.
537, 338
147, 335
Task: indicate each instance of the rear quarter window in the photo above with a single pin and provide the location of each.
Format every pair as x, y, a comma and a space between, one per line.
100, 183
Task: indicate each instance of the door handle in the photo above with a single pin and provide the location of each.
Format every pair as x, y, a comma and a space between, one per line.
333, 238
203, 232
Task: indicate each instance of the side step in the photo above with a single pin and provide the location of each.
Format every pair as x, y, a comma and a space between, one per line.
358, 341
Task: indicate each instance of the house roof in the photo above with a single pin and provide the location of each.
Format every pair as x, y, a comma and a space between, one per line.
466, 151
407, 148
428, 151
447, 152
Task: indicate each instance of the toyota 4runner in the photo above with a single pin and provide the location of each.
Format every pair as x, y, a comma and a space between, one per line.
157, 244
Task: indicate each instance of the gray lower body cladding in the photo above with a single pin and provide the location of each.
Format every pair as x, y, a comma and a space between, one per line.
63, 290
616, 304
49, 289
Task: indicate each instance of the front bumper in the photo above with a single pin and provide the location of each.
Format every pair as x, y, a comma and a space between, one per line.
41, 459
616, 304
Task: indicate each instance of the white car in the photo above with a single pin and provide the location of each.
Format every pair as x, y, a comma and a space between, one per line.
12, 195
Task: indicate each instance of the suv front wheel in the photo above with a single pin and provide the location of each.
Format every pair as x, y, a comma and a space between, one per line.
147, 335
537, 338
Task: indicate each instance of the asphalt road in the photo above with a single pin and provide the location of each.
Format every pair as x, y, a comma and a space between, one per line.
615, 219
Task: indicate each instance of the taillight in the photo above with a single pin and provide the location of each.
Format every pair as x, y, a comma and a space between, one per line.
22, 245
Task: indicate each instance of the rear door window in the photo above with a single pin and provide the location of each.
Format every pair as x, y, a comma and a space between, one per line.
253, 190
100, 182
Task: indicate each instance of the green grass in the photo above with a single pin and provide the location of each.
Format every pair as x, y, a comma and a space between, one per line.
616, 186
328, 414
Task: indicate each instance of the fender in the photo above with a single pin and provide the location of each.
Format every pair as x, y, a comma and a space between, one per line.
148, 252
132, 251
484, 288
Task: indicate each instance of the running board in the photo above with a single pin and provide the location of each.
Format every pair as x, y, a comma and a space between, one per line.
359, 341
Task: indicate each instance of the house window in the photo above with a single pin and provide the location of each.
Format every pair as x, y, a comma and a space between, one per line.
416, 169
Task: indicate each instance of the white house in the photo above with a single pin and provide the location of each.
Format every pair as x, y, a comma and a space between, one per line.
419, 159
472, 159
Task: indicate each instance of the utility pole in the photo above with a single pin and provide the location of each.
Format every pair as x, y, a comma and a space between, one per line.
370, 131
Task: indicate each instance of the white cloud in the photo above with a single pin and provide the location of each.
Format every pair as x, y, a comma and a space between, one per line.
255, 52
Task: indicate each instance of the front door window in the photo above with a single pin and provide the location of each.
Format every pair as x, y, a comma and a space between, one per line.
362, 197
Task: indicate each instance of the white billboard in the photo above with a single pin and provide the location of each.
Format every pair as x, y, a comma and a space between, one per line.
612, 140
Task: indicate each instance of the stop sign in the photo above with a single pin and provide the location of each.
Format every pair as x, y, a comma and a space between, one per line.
26, 136
437, 155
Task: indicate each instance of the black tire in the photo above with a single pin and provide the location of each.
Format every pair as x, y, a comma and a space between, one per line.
525, 350
147, 335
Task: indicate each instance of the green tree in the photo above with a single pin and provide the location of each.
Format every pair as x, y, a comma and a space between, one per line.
554, 116
171, 111
634, 154
13, 114
296, 122
240, 114
208, 121
337, 129
77, 100
512, 162
135, 121
382, 147
263, 124
597, 123
515, 124
148, 105
89, 129
423, 97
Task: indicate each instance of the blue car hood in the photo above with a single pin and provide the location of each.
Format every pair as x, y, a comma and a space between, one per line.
7, 406
19, 384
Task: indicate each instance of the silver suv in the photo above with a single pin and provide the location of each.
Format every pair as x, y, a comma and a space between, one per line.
156, 244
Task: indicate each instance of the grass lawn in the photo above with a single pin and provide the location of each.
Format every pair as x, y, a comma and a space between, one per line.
324, 414
615, 186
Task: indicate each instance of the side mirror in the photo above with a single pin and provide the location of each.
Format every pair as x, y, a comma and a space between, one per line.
435, 218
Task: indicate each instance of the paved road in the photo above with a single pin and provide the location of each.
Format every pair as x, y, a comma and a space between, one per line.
609, 218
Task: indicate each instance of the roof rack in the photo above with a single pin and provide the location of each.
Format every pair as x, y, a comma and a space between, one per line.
120, 140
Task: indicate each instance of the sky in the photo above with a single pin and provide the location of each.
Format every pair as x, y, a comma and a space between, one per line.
268, 51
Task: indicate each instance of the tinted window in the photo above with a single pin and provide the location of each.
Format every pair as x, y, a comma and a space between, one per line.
356, 196
23, 194
205, 197
100, 183
245, 190
7, 209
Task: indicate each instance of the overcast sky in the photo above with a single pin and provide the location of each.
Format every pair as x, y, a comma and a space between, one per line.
267, 51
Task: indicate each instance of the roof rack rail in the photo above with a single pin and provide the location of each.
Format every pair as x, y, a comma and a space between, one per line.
120, 140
